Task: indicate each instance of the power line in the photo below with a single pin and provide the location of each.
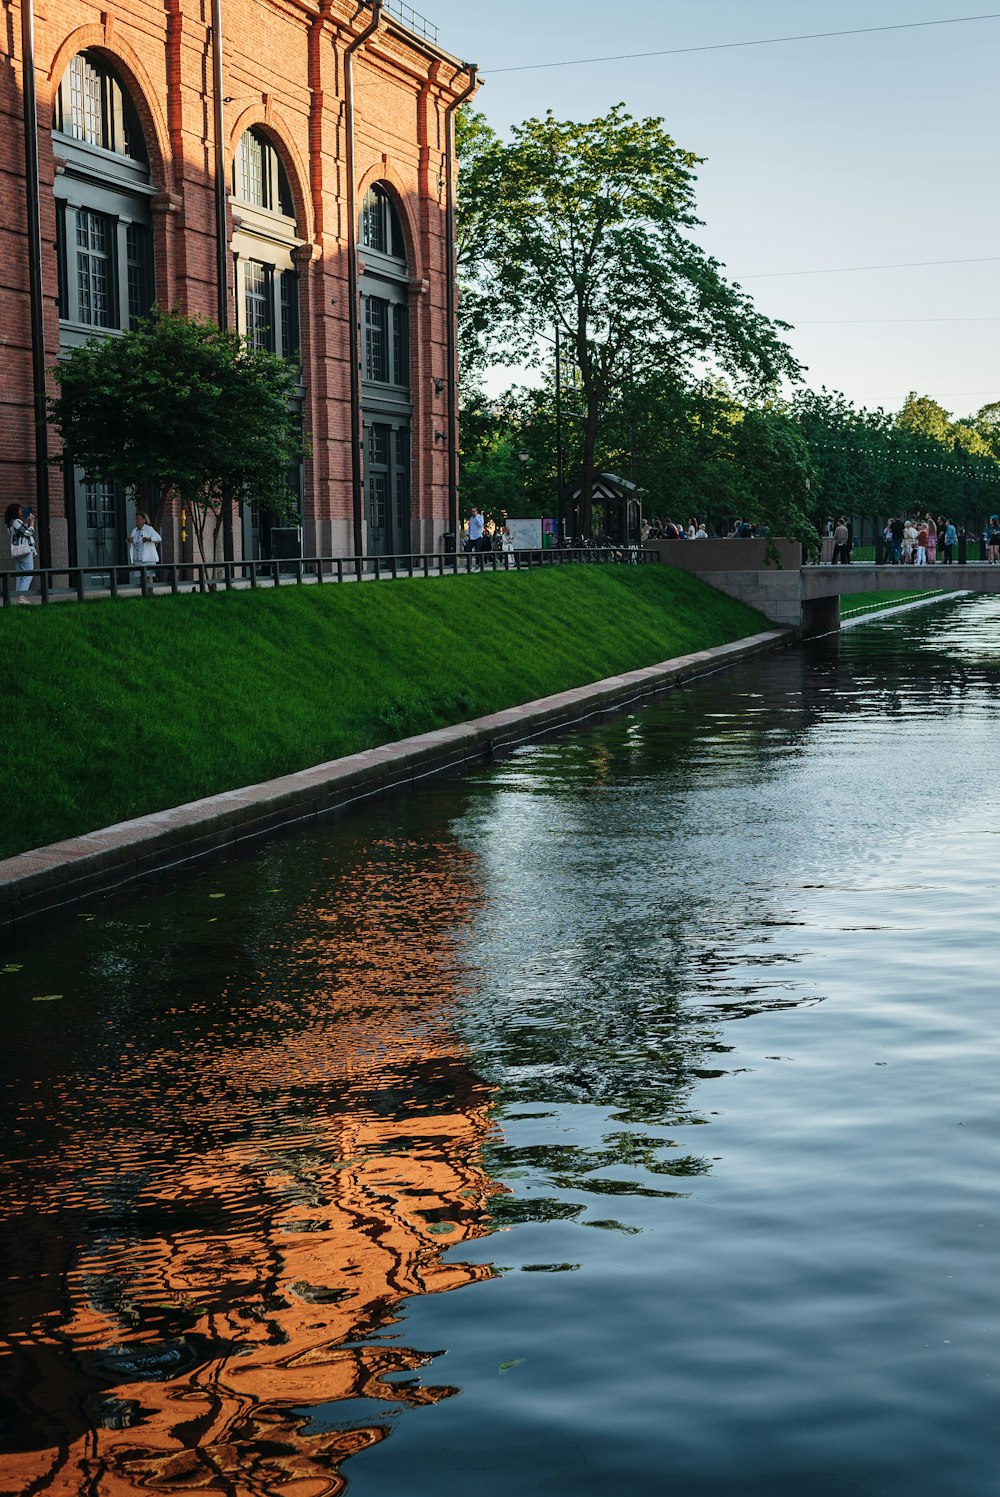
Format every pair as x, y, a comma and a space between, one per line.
857, 321
766, 41
770, 275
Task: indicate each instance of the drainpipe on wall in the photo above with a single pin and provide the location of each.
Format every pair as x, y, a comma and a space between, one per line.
451, 274
353, 304
36, 303
221, 222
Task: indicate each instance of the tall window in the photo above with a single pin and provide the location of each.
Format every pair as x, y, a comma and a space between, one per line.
104, 235
94, 269
259, 302
385, 371
266, 280
104, 247
267, 284
139, 259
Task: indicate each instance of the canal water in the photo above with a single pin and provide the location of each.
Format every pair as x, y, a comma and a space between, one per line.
621, 1119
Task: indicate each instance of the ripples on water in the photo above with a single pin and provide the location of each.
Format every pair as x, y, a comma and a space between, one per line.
670, 1047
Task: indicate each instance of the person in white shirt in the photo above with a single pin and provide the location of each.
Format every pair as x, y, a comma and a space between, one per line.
475, 532
143, 541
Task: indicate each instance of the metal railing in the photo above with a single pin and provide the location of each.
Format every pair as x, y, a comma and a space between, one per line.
80, 583
411, 19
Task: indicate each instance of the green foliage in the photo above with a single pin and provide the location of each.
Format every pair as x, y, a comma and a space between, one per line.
491, 469
144, 704
583, 227
180, 405
873, 463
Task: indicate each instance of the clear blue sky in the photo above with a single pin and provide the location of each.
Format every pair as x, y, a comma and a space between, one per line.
850, 151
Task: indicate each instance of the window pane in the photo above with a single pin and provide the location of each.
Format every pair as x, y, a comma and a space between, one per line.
140, 272
378, 485
93, 106
94, 279
86, 101
401, 439
373, 225
378, 444
253, 177
377, 339
400, 345
289, 314
257, 303
100, 499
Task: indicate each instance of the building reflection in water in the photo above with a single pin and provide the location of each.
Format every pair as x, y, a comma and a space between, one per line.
212, 1243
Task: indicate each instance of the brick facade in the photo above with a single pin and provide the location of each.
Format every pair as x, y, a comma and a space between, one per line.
283, 73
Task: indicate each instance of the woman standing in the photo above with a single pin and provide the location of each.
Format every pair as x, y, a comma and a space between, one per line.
22, 547
993, 540
932, 535
143, 541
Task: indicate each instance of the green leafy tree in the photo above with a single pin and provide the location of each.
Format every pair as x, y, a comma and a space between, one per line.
584, 227
181, 407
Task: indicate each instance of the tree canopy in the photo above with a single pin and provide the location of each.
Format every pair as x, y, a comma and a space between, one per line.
178, 405
585, 228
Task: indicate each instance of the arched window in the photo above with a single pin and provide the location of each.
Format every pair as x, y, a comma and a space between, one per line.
92, 106
259, 177
385, 373
104, 246
381, 229
266, 280
265, 235
104, 226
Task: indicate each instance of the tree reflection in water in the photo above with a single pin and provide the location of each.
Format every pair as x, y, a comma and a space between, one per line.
215, 1219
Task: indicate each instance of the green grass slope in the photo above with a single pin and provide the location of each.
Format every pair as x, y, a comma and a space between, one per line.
117, 708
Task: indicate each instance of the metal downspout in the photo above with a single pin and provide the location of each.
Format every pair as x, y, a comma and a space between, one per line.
36, 302
451, 273
353, 303
221, 223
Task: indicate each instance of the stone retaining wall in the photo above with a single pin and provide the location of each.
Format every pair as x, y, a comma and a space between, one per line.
68, 873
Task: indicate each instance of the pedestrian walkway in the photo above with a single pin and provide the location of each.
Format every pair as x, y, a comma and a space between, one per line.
87, 584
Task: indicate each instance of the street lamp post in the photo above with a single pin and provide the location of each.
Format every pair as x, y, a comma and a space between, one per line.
561, 519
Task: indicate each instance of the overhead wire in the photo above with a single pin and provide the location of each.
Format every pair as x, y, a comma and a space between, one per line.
770, 275
766, 41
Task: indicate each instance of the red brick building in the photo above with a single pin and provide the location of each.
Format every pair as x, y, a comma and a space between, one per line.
333, 148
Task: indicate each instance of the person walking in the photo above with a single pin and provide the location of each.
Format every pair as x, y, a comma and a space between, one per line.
143, 541
476, 533
22, 547
841, 543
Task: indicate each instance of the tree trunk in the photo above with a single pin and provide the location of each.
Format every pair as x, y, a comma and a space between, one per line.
587, 476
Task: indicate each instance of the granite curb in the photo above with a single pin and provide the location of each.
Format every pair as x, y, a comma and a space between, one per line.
64, 874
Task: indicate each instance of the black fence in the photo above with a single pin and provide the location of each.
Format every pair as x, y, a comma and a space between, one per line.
59, 583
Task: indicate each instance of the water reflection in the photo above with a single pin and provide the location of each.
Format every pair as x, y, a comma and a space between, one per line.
688, 1021
213, 1220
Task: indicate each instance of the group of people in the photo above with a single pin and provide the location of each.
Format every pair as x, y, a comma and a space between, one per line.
20, 521
916, 542
694, 530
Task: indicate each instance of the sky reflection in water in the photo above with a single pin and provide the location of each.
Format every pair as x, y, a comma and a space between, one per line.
671, 1046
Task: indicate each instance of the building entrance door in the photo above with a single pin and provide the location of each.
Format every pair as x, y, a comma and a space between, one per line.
387, 488
100, 520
